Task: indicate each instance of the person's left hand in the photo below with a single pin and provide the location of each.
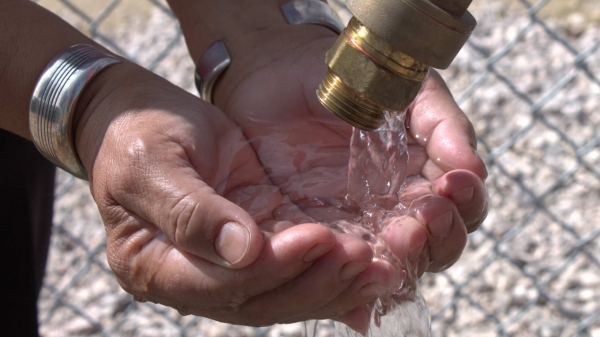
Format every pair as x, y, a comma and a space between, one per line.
270, 93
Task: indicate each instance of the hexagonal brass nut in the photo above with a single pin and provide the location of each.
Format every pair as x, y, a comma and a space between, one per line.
370, 81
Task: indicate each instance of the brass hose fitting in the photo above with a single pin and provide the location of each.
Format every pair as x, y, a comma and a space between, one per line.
381, 59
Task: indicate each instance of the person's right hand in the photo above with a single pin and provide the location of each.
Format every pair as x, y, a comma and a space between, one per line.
168, 172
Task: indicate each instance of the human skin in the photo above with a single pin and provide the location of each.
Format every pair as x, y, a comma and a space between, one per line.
275, 70
156, 157
168, 171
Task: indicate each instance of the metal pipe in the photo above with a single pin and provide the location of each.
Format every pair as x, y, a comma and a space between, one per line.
381, 59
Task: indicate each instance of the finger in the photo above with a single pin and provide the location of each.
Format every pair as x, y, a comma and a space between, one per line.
414, 187
317, 286
446, 232
382, 278
408, 239
152, 269
276, 226
198, 220
468, 193
463, 187
287, 254
372, 281
291, 212
438, 124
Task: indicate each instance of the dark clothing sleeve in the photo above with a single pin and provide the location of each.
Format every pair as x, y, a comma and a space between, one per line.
26, 198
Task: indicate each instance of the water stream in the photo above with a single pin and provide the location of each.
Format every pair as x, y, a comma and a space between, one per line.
376, 175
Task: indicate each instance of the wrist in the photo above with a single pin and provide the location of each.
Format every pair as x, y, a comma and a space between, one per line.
233, 21
53, 107
128, 105
255, 34
98, 106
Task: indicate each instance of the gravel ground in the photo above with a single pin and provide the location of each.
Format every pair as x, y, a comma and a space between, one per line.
531, 88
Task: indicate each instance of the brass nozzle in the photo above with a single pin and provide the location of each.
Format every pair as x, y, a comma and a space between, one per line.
348, 105
381, 59
367, 76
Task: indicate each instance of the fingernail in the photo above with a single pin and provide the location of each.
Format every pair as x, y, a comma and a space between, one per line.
352, 269
463, 196
232, 242
317, 251
441, 226
415, 251
370, 291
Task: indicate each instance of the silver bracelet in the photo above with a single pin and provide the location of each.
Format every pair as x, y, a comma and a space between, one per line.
54, 101
209, 67
311, 12
213, 62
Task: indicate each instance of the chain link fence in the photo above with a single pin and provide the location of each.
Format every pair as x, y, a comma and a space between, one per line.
529, 81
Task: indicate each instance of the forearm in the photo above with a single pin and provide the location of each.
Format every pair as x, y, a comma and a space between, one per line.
35, 37
30, 37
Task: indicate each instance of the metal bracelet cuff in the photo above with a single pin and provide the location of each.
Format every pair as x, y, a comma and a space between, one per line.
54, 101
311, 12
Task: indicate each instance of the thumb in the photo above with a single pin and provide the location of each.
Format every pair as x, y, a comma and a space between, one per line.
164, 189
205, 224
138, 137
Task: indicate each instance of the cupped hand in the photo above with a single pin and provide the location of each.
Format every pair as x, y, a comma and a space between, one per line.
305, 150
188, 209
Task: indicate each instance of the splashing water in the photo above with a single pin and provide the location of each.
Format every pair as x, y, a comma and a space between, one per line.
359, 196
376, 175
